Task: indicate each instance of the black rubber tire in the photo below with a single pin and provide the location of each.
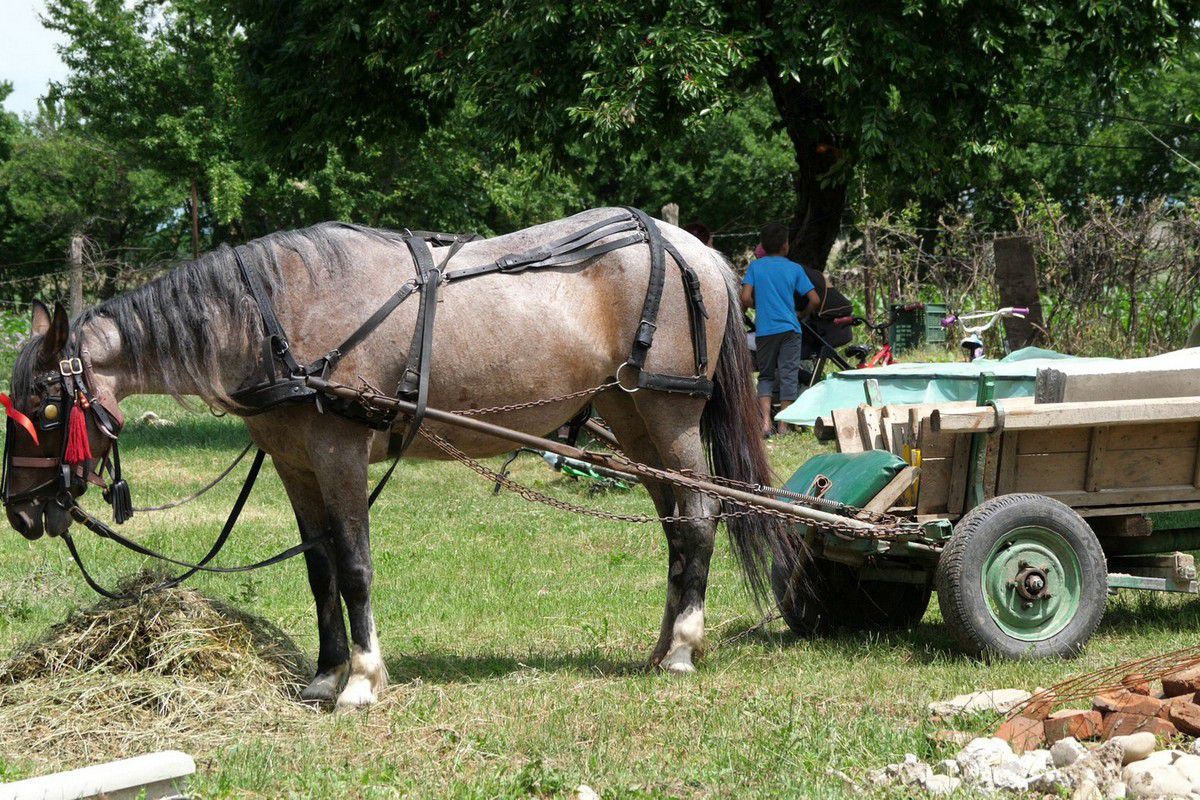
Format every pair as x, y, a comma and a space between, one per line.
959, 580
821, 596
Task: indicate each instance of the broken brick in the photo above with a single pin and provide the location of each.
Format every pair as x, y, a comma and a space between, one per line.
1136, 683
1039, 706
1182, 682
1123, 723
1074, 722
1185, 699
1185, 717
1023, 733
1125, 701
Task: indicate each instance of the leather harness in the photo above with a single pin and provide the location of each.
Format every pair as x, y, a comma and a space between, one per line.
633, 227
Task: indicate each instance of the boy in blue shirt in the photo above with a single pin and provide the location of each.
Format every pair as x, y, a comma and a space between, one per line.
770, 287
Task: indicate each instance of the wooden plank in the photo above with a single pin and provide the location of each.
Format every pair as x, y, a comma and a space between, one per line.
1154, 435
1006, 481
885, 430
1053, 440
868, 428
1097, 448
1124, 525
1067, 415
824, 429
1051, 472
1152, 508
892, 492
845, 421
1196, 467
935, 482
933, 444
1131, 469
960, 469
1139, 498
991, 465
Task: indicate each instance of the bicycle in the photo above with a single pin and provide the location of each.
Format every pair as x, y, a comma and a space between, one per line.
866, 356
972, 343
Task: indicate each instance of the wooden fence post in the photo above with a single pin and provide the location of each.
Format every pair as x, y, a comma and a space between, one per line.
670, 213
75, 261
1016, 277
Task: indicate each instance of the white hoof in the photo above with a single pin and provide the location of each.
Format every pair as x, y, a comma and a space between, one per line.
324, 688
357, 694
679, 661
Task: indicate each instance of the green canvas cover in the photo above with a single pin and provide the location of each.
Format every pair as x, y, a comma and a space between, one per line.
855, 478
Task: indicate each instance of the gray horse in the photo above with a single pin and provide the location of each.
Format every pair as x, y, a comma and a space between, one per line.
500, 339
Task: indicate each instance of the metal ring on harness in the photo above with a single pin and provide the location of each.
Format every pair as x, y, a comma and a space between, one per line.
617, 378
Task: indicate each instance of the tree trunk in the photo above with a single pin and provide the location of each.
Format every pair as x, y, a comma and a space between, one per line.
75, 290
819, 185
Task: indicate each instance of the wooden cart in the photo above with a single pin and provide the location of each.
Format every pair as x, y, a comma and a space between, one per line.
1034, 514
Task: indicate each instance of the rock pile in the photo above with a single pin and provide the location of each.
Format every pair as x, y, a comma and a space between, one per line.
1124, 766
1136, 707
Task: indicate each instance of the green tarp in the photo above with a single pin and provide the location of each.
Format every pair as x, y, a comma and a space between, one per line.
1016, 376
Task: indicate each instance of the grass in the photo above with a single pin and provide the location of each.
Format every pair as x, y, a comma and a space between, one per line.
516, 638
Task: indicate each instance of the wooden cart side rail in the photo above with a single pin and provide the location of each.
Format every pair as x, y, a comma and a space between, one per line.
1065, 415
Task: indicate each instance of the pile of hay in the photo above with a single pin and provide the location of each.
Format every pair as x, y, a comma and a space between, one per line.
171, 669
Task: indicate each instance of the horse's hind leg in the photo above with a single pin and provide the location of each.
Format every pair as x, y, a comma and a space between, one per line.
333, 659
668, 435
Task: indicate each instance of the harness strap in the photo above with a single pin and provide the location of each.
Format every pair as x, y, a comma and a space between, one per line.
644, 336
329, 361
274, 331
416, 372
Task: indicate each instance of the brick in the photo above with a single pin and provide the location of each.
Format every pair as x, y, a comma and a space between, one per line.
1123, 723
1136, 683
1039, 706
1074, 722
1123, 700
1182, 682
1023, 733
1185, 699
1185, 717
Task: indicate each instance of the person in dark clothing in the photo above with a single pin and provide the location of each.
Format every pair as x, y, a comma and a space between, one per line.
770, 287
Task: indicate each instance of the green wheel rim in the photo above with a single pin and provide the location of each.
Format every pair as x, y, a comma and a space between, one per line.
1045, 565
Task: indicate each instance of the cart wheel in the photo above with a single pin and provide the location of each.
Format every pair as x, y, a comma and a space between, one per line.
821, 596
1023, 576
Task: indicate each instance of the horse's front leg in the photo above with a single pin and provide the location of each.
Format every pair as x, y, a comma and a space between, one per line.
333, 659
342, 472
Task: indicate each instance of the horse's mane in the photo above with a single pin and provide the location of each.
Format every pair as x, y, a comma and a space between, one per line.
181, 324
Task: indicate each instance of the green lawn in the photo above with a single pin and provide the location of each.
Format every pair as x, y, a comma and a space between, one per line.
516, 638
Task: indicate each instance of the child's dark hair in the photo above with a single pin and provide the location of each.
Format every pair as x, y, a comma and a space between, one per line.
774, 237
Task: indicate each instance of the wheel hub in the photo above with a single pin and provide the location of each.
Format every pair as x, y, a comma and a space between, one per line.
1032, 582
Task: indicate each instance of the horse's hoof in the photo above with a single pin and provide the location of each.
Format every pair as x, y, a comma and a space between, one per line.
357, 694
324, 687
678, 662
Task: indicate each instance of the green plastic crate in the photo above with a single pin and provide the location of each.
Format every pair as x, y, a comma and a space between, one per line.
909, 330
934, 332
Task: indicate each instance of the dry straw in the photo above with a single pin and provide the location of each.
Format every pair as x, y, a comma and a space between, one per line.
170, 669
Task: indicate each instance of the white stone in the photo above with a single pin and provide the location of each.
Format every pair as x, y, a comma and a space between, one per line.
1116, 791
1067, 751
947, 766
584, 792
1157, 781
1087, 790
1135, 746
1000, 701
1189, 766
1010, 775
1035, 762
1160, 758
980, 756
940, 784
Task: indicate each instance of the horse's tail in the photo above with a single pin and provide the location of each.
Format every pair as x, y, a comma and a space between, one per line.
732, 430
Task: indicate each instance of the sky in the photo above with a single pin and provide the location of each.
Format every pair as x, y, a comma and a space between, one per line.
28, 59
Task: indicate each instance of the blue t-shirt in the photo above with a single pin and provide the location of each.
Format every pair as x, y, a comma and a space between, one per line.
776, 281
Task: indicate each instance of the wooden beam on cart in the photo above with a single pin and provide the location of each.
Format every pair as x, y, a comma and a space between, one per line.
1020, 417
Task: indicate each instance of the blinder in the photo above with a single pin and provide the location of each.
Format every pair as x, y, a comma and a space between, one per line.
55, 394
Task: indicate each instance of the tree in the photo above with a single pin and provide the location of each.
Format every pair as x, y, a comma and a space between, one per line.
908, 91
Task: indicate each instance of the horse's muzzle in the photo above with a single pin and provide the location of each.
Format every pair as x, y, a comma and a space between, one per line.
27, 521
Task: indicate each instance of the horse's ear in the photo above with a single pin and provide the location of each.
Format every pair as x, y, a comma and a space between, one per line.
41, 318
55, 340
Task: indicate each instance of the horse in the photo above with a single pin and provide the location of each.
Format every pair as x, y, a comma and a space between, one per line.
502, 339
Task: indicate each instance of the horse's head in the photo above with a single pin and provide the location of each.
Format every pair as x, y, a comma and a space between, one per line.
58, 432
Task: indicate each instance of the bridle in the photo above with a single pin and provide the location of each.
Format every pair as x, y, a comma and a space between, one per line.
58, 396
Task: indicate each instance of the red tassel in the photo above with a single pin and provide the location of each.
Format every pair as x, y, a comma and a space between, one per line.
79, 449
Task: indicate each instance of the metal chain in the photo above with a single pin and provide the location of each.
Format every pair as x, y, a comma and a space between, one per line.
472, 412
532, 495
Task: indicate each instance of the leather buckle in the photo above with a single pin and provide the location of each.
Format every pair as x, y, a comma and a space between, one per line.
70, 366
